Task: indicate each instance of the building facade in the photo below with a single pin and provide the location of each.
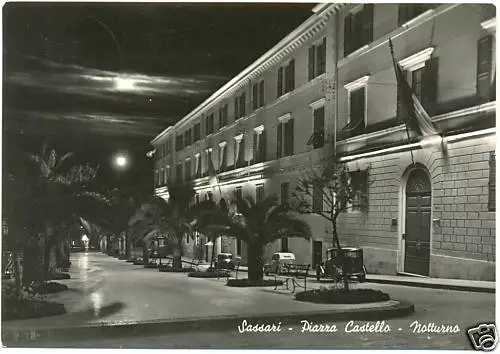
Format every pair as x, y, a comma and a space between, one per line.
328, 91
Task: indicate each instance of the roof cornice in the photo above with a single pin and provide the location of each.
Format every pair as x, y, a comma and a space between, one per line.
308, 29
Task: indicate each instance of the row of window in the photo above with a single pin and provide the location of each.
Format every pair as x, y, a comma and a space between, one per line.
358, 24
423, 82
285, 84
285, 135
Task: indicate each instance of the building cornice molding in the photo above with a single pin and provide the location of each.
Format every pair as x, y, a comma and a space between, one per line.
482, 108
358, 83
285, 117
490, 25
308, 29
417, 60
318, 103
238, 137
259, 129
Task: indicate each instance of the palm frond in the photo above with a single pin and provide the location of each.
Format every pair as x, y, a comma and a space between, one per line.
63, 160
51, 161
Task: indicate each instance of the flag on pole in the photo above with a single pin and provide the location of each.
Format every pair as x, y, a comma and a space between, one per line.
213, 180
414, 115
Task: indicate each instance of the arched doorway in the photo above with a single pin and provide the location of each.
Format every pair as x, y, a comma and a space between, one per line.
418, 223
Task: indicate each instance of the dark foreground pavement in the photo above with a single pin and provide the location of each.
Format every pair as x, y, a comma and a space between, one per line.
147, 294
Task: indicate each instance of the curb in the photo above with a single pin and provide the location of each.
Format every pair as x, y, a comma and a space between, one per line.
477, 289
28, 337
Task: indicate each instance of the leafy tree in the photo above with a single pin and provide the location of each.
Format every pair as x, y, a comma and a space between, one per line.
331, 186
255, 223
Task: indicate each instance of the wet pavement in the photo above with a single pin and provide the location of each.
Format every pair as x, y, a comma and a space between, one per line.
104, 289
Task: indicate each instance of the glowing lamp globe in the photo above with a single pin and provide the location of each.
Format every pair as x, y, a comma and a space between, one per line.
121, 161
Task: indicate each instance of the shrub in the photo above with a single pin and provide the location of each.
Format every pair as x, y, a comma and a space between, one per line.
26, 306
214, 274
342, 296
151, 265
249, 283
49, 288
59, 276
175, 270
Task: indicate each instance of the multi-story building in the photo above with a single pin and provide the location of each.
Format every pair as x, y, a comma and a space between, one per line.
328, 91
426, 209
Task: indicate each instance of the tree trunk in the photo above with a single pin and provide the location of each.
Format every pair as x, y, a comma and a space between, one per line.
345, 275
255, 262
128, 244
177, 262
214, 243
145, 254
17, 273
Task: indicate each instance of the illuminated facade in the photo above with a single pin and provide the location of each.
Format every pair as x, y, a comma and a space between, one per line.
328, 90
433, 217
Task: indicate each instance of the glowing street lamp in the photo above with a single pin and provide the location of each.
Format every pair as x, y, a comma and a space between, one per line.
121, 161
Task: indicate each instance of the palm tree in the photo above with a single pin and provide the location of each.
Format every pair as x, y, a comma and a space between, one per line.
216, 227
171, 218
62, 194
257, 224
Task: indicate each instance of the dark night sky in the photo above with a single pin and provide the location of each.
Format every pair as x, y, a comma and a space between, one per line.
97, 78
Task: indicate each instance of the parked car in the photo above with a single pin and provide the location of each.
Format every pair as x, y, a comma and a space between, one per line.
279, 260
352, 258
225, 261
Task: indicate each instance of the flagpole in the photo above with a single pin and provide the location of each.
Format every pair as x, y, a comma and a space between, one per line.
396, 71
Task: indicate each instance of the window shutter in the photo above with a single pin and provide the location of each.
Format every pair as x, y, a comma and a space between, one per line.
402, 14
319, 127
491, 183
280, 81
429, 85
322, 58
347, 35
220, 117
242, 105
255, 94
236, 107
364, 190
289, 138
317, 199
279, 135
241, 157
312, 51
367, 21
255, 148
263, 146
291, 75
484, 66
261, 94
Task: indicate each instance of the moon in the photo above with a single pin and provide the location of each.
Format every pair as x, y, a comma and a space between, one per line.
124, 84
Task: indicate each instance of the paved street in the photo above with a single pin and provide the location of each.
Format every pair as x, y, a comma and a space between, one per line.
117, 291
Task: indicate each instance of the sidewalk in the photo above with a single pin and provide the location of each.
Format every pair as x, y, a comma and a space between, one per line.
424, 282
434, 283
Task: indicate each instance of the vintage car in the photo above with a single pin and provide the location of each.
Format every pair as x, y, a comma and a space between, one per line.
225, 261
338, 261
278, 263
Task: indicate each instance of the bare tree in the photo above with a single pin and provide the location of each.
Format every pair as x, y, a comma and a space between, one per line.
327, 191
